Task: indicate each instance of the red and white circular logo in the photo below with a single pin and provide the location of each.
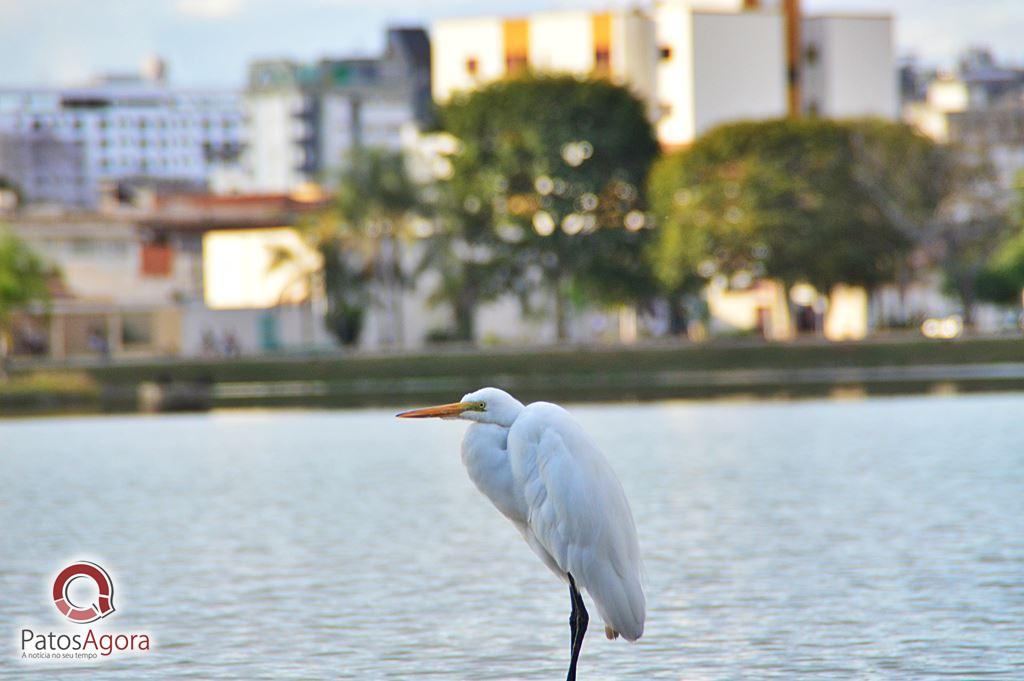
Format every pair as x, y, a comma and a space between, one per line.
79, 613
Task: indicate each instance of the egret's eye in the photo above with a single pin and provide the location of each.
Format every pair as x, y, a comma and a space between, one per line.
479, 406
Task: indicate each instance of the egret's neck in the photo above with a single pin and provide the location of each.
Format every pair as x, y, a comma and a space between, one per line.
485, 455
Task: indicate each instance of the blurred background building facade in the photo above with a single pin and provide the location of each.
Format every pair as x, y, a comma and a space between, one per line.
978, 107
60, 145
620, 45
174, 274
303, 120
697, 63
161, 205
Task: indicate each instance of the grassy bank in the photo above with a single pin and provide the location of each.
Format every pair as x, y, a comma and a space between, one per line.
48, 391
571, 373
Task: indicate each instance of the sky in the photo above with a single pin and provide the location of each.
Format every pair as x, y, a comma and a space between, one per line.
208, 43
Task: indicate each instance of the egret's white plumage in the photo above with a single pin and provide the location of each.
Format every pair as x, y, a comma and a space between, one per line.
541, 470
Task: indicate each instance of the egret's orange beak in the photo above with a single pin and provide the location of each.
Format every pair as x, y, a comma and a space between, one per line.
441, 411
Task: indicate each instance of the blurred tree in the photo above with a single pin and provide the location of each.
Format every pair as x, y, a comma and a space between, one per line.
549, 170
470, 263
780, 199
946, 200
1002, 279
360, 237
23, 280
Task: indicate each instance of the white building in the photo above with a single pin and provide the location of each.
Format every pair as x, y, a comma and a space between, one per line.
717, 65
280, 151
114, 285
304, 119
179, 276
849, 67
60, 145
697, 63
467, 53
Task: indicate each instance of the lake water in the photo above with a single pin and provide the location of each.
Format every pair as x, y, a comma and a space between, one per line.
879, 538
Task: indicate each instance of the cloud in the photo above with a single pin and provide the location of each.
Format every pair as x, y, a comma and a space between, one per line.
210, 9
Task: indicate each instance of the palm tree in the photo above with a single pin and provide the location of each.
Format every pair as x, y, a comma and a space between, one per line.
374, 205
344, 272
361, 237
473, 265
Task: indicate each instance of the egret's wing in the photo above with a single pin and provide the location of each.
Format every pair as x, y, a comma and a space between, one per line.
578, 512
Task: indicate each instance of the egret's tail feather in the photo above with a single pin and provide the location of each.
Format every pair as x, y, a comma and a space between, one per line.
620, 601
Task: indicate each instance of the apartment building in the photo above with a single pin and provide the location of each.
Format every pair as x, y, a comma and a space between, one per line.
697, 63
59, 145
304, 119
848, 66
621, 45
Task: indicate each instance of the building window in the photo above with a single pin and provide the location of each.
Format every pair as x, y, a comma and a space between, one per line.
602, 60
471, 66
665, 52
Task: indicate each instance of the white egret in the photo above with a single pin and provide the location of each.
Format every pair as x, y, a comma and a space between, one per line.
541, 470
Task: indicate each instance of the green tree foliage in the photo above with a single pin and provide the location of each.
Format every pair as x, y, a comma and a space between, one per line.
947, 200
23, 280
1002, 279
790, 199
548, 178
471, 263
361, 237
23, 276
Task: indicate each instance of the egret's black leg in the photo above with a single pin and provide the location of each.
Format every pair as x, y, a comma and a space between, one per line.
572, 618
578, 621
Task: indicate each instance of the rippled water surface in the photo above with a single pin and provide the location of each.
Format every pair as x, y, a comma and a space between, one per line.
879, 538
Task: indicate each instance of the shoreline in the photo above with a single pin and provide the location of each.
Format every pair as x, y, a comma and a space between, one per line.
579, 374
